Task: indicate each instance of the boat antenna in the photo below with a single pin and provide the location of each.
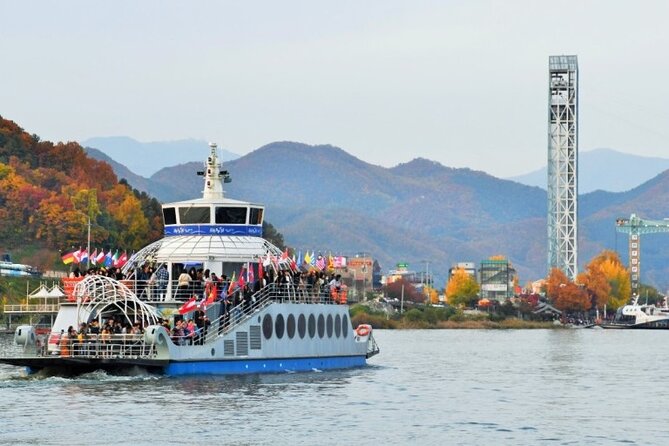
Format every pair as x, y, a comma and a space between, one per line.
214, 175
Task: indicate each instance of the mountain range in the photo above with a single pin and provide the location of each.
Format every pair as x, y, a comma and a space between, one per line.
146, 158
420, 212
605, 169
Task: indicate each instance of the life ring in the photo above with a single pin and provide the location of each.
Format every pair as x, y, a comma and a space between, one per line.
363, 330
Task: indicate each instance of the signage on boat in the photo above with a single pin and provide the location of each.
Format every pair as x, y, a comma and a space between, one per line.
255, 231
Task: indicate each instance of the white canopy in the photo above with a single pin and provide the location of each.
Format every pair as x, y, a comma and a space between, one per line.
41, 292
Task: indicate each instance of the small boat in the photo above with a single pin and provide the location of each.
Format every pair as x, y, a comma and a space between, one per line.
275, 327
642, 316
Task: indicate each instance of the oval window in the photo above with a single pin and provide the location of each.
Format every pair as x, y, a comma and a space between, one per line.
290, 326
267, 326
279, 326
312, 326
301, 326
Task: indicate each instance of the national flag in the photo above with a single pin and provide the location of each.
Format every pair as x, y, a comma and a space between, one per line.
68, 258
109, 259
83, 256
331, 264
261, 273
241, 282
267, 260
284, 254
101, 257
188, 306
250, 276
320, 262
299, 258
94, 257
293, 263
307, 258
313, 258
233, 282
115, 259
123, 259
76, 255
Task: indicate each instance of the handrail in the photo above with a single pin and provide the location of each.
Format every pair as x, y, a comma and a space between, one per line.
102, 346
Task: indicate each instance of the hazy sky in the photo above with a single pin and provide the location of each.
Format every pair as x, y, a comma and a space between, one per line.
460, 82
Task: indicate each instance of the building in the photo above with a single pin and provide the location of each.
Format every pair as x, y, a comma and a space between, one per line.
563, 164
496, 279
358, 275
469, 267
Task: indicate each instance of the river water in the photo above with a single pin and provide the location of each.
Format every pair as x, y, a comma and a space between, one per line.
427, 387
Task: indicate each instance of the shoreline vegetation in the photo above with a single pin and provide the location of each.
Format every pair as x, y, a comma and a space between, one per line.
441, 318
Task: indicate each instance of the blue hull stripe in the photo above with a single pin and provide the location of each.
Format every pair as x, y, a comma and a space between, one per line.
242, 366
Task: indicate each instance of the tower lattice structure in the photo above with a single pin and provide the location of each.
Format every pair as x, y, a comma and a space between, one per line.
563, 164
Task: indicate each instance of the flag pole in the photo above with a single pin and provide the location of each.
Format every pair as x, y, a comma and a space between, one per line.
88, 246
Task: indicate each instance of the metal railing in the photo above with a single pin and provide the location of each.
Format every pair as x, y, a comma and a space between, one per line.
32, 308
115, 346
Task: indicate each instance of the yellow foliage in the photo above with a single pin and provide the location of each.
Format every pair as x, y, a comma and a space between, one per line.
462, 288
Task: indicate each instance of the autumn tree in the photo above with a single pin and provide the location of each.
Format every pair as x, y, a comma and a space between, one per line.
401, 288
607, 267
565, 294
462, 288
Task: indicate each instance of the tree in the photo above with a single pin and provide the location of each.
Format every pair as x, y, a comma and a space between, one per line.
565, 294
606, 266
462, 288
272, 235
403, 288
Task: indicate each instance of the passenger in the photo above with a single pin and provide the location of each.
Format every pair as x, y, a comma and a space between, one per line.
335, 287
162, 277
183, 286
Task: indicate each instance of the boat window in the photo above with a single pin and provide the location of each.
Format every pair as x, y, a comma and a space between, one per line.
321, 326
279, 326
328, 325
337, 326
170, 216
255, 218
344, 325
267, 326
290, 326
194, 215
232, 216
301, 326
312, 326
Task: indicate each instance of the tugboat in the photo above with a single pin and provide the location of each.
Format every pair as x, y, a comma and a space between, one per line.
278, 326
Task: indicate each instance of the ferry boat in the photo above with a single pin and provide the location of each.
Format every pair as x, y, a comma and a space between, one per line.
635, 315
280, 327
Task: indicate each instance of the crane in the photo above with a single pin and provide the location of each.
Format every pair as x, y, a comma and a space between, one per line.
635, 227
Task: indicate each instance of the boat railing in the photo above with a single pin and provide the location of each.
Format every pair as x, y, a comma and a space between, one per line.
113, 346
372, 347
233, 316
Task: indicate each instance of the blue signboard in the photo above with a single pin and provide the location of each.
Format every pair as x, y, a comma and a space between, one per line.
255, 231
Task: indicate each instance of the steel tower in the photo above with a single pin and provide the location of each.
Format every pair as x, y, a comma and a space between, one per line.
563, 164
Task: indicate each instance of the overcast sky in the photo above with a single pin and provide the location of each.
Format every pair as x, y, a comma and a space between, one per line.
460, 82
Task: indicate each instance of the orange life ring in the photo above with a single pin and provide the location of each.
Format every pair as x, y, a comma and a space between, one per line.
363, 330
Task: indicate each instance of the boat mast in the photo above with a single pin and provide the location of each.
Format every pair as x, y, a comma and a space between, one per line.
214, 176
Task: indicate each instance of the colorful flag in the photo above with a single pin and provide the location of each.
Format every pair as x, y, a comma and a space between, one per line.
330, 261
68, 258
94, 257
307, 258
313, 258
250, 276
293, 263
83, 256
115, 259
241, 282
76, 255
188, 306
233, 282
299, 258
261, 273
284, 254
108, 259
320, 262
123, 259
101, 257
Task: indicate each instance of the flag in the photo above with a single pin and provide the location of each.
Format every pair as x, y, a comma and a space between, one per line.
330, 261
241, 281
188, 306
250, 277
261, 273
115, 259
284, 254
108, 259
68, 258
94, 257
313, 258
307, 258
123, 259
293, 263
76, 255
233, 282
101, 257
83, 256
320, 262
299, 258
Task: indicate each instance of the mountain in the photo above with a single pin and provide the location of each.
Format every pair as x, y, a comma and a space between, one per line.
140, 157
322, 198
605, 169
